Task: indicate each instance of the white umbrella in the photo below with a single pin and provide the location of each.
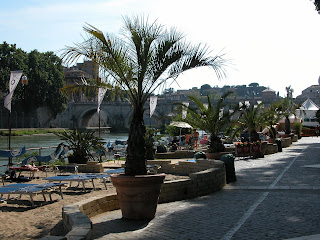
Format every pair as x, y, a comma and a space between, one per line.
180, 125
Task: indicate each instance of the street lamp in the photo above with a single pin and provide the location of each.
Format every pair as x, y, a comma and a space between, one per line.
24, 80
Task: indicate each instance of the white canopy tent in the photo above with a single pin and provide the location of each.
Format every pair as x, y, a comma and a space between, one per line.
180, 125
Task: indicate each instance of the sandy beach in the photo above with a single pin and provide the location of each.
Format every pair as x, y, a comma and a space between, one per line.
19, 220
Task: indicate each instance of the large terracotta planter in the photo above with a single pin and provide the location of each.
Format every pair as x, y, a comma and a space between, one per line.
138, 195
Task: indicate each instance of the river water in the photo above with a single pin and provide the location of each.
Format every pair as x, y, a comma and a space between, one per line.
44, 140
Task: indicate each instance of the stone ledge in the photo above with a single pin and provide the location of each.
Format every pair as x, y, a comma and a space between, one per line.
76, 217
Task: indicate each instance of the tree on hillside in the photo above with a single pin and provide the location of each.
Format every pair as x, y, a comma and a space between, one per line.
204, 90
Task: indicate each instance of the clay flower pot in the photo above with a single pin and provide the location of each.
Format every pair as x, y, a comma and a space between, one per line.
138, 195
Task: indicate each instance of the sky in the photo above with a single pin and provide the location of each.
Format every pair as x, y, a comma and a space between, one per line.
274, 43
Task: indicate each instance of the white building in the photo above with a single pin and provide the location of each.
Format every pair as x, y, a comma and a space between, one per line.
307, 113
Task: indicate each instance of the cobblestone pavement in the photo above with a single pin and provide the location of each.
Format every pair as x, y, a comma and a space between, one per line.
275, 197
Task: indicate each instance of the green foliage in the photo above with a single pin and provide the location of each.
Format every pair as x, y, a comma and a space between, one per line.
146, 58
317, 5
271, 116
29, 131
250, 119
175, 131
45, 78
151, 136
11, 59
287, 107
298, 128
81, 143
210, 119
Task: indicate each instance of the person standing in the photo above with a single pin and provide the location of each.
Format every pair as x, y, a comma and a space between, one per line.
195, 138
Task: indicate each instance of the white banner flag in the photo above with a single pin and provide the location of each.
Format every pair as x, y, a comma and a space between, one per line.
14, 80
184, 110
153, 104
7, 101
101, 93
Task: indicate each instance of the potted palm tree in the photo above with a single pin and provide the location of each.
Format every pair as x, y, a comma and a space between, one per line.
143, 60
272, 117
211, 119
287, 108
251, 118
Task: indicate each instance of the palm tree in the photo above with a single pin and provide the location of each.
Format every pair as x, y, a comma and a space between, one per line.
250, 119
272, 116
212, 119
287, 107
147, 57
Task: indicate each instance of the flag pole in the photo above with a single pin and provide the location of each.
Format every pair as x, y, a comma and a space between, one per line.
10, 159
13, 82
99, 133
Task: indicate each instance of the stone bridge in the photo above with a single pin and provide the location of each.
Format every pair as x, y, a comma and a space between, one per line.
112, 114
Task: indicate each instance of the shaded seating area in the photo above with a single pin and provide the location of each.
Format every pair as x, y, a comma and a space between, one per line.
30, 190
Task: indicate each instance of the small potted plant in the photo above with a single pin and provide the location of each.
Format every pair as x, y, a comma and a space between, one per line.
82, 144
151, 137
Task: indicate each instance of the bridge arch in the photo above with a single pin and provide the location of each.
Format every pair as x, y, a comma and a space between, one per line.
89, 118
111, 115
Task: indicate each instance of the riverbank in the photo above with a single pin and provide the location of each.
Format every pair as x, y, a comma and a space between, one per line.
30, 131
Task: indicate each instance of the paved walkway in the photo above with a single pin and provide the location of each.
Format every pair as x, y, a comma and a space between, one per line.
276, 197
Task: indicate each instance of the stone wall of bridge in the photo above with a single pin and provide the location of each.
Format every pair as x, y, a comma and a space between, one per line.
112, 114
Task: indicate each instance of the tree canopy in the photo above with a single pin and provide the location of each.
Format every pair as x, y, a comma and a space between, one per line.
146, 58
45, 77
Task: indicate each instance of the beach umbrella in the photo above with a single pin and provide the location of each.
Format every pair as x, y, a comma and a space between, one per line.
37, 159
180, 125
13, 153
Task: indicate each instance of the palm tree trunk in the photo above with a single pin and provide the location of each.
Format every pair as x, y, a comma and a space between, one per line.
287, 125
136, 151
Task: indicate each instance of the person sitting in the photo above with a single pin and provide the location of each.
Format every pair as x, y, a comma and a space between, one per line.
174, 147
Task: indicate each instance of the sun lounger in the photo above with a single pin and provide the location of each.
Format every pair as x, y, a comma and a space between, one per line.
30, 189
26, 168
79, 178
111, 171
66, 168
